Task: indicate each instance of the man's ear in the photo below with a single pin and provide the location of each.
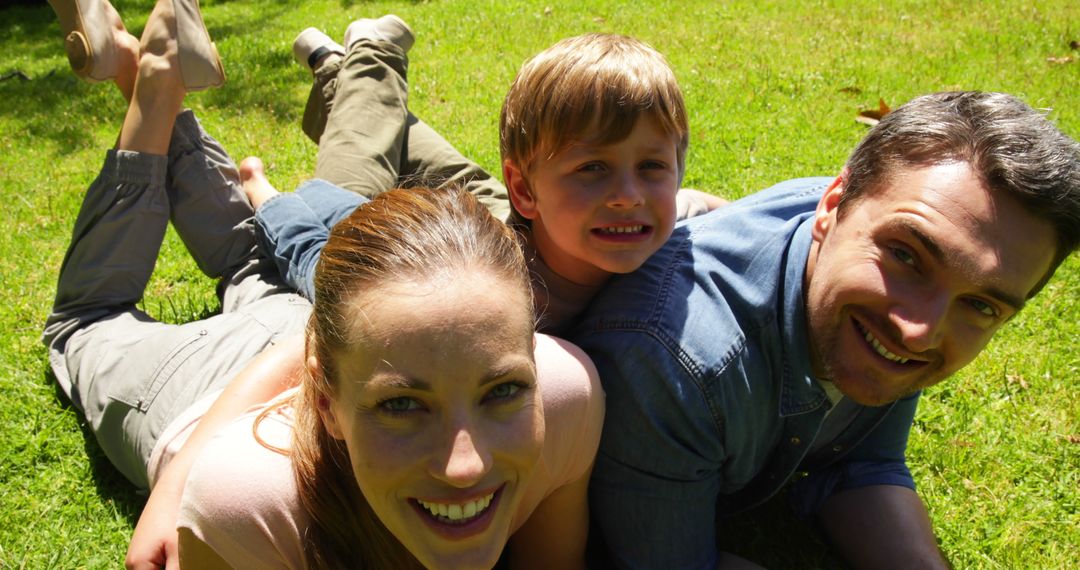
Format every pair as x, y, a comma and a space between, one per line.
825, 213
326, 412
520, 193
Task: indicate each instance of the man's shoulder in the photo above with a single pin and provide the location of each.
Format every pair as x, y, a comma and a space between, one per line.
721, 271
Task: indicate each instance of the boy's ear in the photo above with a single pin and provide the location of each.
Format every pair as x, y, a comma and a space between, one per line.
520, 193
825, 213
326, 412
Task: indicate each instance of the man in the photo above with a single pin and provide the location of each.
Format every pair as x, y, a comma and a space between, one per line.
790, 332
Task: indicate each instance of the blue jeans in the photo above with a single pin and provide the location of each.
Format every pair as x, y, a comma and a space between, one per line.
292, 229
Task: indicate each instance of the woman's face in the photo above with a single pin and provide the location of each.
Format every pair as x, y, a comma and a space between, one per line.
439, 408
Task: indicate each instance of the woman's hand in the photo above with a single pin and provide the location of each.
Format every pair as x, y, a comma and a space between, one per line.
154, 543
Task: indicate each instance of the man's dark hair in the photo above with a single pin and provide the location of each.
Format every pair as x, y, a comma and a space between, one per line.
1011, 147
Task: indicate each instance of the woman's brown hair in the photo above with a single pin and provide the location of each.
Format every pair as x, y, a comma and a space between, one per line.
401, 235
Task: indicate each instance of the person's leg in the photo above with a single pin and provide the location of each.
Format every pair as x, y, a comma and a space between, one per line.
431, 159
361, 147
128, 374
293, 227
116, 238
210, 212
345, 88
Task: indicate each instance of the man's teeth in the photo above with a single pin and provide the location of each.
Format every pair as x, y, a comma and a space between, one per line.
623, 230
882, 350
458, 512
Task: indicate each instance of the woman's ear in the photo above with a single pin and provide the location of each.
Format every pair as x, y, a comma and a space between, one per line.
521, 195
326, 410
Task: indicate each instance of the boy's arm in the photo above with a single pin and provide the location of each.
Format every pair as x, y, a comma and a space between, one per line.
690, 203
154, 542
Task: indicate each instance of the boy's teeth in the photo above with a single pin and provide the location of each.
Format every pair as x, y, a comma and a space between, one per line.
623, 230
458, 512
882, 350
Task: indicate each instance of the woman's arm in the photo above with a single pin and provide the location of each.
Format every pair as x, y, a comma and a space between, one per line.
556, 533
154, 542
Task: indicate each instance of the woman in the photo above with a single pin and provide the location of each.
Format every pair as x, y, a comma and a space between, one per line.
428, 428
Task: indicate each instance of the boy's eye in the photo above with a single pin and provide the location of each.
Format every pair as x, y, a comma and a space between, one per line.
653, 165
592, 167
399, 405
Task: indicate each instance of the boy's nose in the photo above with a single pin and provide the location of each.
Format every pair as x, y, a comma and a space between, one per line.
625, 193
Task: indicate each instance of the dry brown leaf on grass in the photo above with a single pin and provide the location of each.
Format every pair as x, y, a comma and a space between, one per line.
1013, 379
1072, 438
1061, 60
872, 116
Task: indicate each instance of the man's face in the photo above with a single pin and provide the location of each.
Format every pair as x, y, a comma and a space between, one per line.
913, 280
601, 209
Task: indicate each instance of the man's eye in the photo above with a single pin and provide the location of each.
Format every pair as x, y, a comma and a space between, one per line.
983, 307
399, 405
903, 256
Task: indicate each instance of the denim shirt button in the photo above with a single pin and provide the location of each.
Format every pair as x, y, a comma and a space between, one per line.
796, 441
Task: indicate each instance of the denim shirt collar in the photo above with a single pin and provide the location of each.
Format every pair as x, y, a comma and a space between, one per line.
799, 391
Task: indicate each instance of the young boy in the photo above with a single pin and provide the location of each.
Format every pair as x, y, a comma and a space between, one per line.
593, 137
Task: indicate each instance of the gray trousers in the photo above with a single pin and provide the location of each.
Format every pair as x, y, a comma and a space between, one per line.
372, 143
127, 373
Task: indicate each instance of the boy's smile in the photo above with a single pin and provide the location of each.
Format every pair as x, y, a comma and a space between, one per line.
599, 209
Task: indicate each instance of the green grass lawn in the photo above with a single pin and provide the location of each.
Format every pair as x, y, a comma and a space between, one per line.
772, 91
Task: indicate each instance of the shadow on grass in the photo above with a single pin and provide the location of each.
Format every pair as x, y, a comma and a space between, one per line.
111, 486
54, 105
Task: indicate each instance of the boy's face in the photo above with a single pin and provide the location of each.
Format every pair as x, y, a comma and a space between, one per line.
600, 209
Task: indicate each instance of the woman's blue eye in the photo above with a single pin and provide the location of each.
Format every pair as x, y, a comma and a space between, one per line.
398, 405
504, 391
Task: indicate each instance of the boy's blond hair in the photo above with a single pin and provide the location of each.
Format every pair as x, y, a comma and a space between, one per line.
593, 83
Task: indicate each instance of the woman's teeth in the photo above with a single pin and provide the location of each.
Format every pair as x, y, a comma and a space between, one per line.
458, 512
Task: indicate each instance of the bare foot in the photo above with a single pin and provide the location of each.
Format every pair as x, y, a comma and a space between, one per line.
253, 178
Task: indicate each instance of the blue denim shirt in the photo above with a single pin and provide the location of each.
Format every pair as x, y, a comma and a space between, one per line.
711, 400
